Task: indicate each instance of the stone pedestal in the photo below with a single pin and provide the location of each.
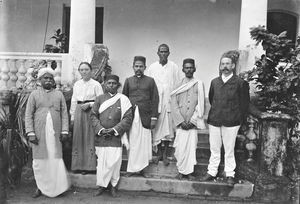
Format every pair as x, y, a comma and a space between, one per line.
274, 136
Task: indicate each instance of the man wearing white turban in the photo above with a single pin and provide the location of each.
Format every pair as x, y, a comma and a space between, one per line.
46, 123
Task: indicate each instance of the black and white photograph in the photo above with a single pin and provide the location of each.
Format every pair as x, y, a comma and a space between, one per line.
149, 101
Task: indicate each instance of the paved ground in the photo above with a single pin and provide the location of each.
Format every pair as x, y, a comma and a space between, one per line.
22, 194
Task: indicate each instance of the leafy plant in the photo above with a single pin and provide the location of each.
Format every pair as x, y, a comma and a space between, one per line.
13, 142
60, 43
276, 74
277, 78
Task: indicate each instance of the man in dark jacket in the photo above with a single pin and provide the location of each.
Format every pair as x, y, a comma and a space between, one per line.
229, 99
143, 94
111, 118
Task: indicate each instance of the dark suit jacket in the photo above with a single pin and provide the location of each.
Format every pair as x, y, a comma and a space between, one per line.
229, 101
110, 118
143, 93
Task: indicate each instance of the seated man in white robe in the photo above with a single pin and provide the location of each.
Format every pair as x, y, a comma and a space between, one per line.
187, 109
46, 123
111, 118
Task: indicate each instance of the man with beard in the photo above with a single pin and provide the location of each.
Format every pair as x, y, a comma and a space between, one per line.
46, 123
167, 76
111, 118
187, 109
229, 99
142, 93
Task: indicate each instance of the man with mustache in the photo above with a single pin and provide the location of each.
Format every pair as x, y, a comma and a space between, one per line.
143, 95
229, 99
111, 118
167, 77
46, 124
187, 109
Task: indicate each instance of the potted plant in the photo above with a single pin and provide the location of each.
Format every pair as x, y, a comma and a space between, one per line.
60, 43
13, 144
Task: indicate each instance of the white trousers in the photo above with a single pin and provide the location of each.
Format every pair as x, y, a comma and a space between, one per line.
108, 165
217, 136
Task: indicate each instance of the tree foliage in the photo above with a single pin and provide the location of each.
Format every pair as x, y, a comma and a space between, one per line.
277, 73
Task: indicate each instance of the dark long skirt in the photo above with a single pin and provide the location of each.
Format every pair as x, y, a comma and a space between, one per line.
83, 150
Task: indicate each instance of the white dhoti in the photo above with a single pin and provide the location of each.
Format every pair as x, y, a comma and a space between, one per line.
50, 174
140, 151
185, 144
109, 160
163, 129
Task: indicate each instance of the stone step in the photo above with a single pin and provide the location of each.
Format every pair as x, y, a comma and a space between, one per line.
202, 153
243, 189
161, 171
203, 136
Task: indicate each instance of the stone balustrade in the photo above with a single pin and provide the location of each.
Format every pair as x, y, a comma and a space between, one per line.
16, 67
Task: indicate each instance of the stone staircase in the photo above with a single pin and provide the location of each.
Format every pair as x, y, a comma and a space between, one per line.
162, 178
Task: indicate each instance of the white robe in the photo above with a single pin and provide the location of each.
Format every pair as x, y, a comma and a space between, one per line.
140, 142
166, 78
50, 174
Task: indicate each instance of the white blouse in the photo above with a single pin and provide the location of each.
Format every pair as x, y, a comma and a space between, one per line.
83, 91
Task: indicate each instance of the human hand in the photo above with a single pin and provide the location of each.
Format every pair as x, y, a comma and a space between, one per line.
63, 137
107, 133
85, 106
33, 139
184, 125
153, 123
190, 125
71, 125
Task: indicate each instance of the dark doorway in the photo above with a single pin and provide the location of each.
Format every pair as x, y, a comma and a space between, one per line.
278, 22
99, 24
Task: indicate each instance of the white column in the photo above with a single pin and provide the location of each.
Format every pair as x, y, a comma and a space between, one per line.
82, 30
4, 21
253, 14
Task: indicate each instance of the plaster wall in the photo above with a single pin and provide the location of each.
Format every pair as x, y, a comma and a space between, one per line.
200, 29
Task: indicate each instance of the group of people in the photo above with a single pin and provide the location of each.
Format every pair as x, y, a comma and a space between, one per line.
155, 106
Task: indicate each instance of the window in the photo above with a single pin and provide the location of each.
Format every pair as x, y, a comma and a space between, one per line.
278, 22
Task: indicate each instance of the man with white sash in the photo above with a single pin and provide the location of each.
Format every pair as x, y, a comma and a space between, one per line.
143, 94
111, 118
46, 123
187, 109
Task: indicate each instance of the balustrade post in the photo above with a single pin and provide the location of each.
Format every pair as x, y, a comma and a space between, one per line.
13, 74
29, 70
22, 73
251, 139
4, 75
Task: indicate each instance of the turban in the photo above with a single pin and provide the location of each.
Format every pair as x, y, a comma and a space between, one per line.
139, 58
46, 70
189, 60
114, 77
